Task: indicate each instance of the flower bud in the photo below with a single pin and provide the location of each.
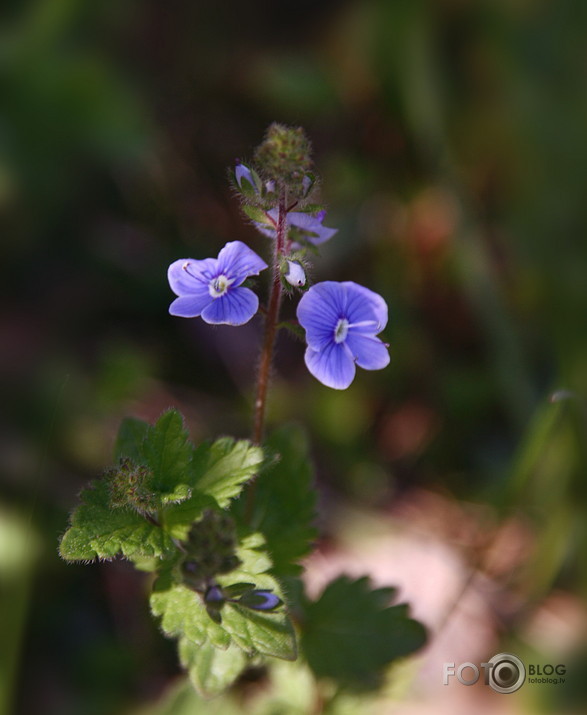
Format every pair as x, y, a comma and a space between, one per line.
295, 274
129, 487
210, 549
248, 180
284, 157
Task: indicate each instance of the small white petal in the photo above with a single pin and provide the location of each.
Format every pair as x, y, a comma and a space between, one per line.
295, 275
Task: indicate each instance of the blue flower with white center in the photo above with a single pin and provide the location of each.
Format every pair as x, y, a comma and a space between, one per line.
341, 321
212, 287
310, 227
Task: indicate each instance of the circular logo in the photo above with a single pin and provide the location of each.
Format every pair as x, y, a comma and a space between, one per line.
507, 674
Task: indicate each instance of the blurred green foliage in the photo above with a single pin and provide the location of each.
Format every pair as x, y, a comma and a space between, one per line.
450, 138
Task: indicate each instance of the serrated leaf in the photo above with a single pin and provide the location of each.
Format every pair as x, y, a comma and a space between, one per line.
350, 636
254, 557
269, 633
211, 670
180, 493
284, 506
183, 612
129, 441
98, 531
168, 452
181, 483
221, 468
257, 632
164, 448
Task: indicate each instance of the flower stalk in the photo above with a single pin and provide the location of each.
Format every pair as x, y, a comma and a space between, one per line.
271, 321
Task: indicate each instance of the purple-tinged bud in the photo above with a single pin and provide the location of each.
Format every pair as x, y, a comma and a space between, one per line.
308, 183
214, 596
260, 600
248, 181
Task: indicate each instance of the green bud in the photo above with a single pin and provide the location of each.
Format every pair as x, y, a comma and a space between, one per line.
129, 486
284, 157
210, 549
192, 574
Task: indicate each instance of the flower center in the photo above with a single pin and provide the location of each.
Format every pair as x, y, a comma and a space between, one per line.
218, 286
341, 330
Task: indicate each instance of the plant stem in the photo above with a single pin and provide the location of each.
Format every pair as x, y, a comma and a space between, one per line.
271, 320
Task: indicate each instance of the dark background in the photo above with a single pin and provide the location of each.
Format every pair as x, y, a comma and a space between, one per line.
451, 140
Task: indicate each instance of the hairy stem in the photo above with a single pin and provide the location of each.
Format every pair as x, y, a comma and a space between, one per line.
271, 320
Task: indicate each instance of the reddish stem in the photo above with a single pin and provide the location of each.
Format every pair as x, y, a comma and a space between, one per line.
271, 320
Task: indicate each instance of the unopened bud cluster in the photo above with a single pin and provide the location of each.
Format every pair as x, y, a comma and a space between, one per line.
130, 486
284, 158
210, 549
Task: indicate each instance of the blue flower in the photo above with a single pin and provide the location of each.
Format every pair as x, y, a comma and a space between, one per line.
341, 321
213, 288
309, 227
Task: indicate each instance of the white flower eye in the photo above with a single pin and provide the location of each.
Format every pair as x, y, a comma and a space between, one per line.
341, 330
218, 286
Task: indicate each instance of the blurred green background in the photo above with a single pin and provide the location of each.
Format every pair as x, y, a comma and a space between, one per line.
451, 138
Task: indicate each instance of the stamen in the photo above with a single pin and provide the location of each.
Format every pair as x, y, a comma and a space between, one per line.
365, 324
186, 267
219, 285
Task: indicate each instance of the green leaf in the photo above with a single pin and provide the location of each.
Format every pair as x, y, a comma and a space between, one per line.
184, 616
183, 613
164, 448
168, 452
179, 494
284, 505
146, 563
258, 632
98, 531
221, 468
310, 208
296, 330
350, 635
269, 633
179, 483
214, 469
247, 188
258, 215
211, 670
